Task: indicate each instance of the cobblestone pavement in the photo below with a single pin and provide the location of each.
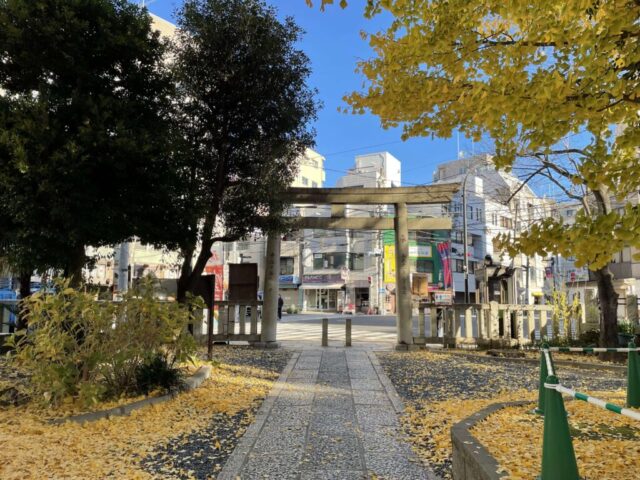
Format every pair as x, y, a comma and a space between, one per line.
332, 415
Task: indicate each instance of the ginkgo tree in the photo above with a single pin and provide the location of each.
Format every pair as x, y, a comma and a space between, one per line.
555, 82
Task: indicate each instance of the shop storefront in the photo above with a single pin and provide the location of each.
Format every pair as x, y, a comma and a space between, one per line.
289, 291
322, 292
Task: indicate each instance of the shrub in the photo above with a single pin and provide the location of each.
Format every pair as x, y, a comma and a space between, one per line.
77, 347
293, 308
158, 373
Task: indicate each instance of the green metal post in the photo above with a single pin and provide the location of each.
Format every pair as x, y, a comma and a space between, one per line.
558, 456
633, 378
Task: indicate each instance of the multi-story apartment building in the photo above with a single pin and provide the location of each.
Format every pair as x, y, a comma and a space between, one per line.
343, 268
496, 203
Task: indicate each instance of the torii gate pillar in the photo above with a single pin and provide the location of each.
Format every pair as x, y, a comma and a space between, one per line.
404, 326
271, 288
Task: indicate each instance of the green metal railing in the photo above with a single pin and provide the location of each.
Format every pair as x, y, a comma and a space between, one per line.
558, 455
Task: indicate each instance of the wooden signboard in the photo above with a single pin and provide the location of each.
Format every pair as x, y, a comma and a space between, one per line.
243, 282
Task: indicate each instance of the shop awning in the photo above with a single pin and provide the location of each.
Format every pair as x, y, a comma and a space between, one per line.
321, 286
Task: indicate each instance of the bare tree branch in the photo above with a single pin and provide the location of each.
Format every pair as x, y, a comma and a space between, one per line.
524, 182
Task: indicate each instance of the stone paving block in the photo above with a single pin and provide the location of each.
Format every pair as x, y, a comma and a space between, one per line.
338, 380
310, 364
371, 417
294, 398
384, 441
280, 439
397, 468
337, 422
289, 415
334, 475
332, 452
366, 384
335, 400
275, 466
364, 374
371, 397
301, 374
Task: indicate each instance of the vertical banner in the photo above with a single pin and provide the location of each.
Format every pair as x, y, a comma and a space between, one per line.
444, 249
389, 264
215, 266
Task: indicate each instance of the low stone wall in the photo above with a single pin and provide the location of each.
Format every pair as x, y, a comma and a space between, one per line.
471, 461
191, 383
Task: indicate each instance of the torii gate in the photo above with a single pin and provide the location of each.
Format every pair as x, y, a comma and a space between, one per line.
338, 198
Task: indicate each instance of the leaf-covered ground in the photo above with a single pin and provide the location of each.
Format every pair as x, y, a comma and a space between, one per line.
440, 390
607, 445
190, 436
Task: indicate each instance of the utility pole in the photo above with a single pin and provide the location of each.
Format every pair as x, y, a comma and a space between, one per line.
123, 268
464, 237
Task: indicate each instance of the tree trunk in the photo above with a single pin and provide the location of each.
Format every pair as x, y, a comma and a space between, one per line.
185, 274
25, 291
76, 263
189, 275
608, 300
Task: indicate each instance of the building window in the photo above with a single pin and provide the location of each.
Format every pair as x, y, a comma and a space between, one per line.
459, 266
286, 265
570, 213
356, 261
331, 261
506, 222
456, 236
305, 181
469, 212
314, 184
494, 219
479, 214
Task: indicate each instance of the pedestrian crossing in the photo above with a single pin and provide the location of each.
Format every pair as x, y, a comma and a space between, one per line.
312, 332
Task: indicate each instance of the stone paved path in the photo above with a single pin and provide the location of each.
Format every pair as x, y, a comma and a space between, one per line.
333, 414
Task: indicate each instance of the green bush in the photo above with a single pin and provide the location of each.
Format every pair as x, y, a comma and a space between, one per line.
293, 308
590, 338
158, 373
77, 347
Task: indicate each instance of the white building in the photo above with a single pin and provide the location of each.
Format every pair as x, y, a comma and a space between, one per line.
492, 209
343, 268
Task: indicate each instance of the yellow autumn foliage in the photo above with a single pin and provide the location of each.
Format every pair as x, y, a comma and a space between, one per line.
545, 80
607, 445
35, 449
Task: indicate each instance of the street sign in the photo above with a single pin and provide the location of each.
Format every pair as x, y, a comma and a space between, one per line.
443, 298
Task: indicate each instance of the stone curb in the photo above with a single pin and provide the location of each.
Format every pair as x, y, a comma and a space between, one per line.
565, 363
236, 460
471, 460
191, 383
396, 401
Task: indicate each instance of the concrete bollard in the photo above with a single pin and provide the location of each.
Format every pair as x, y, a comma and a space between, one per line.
347, 332
325, 332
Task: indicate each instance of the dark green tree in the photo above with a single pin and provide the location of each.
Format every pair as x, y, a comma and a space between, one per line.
84, 108
244, 114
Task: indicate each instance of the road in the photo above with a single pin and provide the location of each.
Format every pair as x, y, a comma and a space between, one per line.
307, 328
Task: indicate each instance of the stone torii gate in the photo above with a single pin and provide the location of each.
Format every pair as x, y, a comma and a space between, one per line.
338, 198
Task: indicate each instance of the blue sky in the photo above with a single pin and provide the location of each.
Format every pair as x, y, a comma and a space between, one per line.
333, 44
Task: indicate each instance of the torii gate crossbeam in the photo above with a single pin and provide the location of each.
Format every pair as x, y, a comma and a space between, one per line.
338, 198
